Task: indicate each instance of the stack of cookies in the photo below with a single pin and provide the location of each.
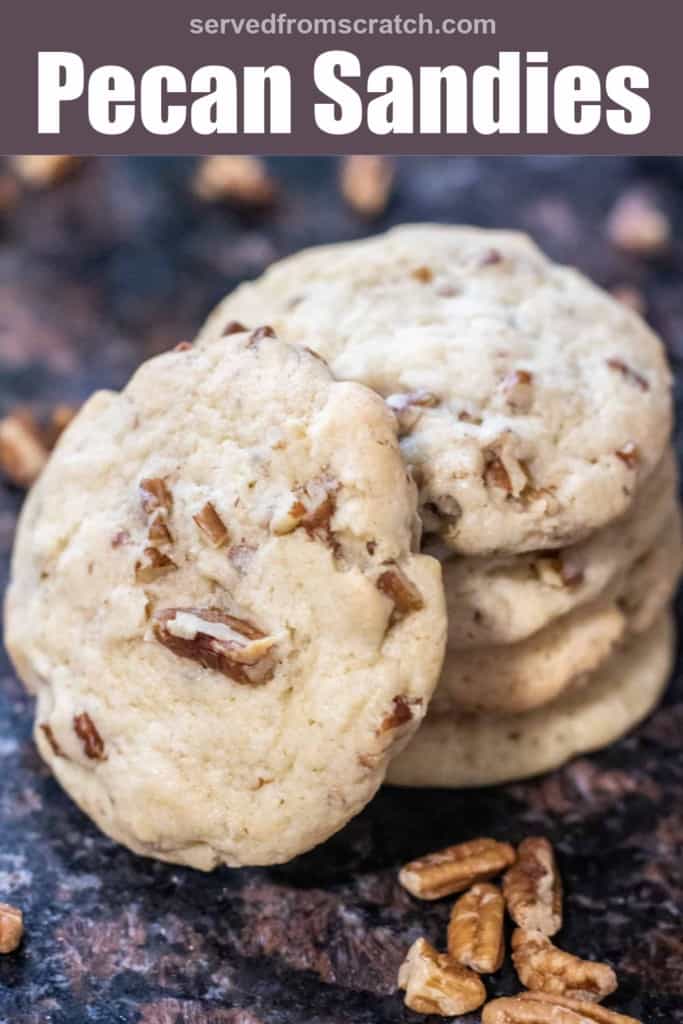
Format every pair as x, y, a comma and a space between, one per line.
535, 413
406, 509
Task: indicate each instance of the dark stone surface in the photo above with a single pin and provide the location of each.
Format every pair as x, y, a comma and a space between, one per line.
119, 263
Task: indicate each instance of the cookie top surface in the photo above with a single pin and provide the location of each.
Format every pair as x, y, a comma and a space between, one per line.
215, 598
531, 403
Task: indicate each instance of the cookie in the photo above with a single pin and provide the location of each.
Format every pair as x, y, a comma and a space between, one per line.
480, 750
503, 600
532, 404
528, 674
215, 598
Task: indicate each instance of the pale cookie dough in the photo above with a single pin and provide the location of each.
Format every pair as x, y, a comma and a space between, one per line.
503, 600
532, 404
215, 599
518, 677
480, 750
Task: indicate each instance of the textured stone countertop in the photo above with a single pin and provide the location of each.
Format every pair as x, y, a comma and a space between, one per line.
118, 263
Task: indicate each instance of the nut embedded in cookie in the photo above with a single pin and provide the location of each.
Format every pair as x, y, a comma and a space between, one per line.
456, 868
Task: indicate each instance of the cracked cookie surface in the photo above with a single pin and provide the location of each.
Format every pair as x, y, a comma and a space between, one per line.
215, 598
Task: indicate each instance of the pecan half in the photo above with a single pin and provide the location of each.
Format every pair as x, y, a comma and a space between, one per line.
217, 641
496, 475
211, 525
11, 927
49, 735
533, 887
629, 373
629, 454
155, 495
93, 744
365, 183
542, 967
434, 983
153, 565
394, 583
158, 532
260, 333
538, 1008
456, 868
475, 929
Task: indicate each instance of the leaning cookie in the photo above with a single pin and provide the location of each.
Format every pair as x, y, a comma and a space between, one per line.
532, 404
215, 598
480, 750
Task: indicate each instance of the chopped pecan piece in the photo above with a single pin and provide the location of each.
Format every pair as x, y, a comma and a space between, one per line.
533, 887
407, 407
434, 983
233, 327
395, 584
456, 868
49, 735
158, 532
152, 565
539, 1008
628, 372
11, 927
211, 525
542, 967
518, 390
496, 475
22, 452
312, 508
365, 183
93, 744
629, 454
155, 495
217, 641
183, 346
260, 333
242, 180
475, 929
400, 714
558, 571
423, 274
